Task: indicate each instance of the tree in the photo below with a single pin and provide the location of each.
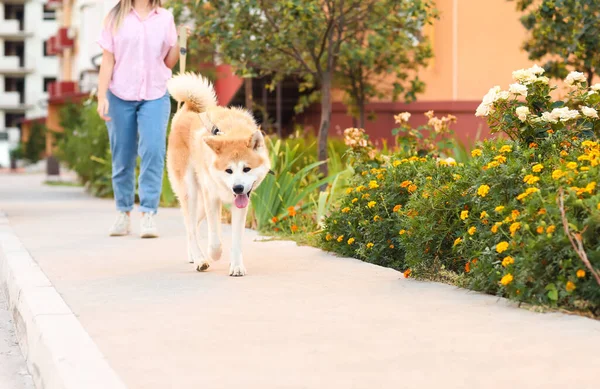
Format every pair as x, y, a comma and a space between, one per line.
284, 37
564, 32
388, 42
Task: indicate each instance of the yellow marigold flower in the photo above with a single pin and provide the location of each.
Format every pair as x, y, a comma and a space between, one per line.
580, 273
537, 168
558, 174
483, 190
456, 177
360, 188
563, 153
464, 215
572, 165
472, 231
589, 143
396, 163
423, 159
412, 188
365, 196
550, 229
499, 208
495, 227
514, 228
404, 184
376, 218
349, 190
351, 240
500, 159
590, 187
483, 215
328, 237
505, 149
570, 286
584, 169
530, 179
397, 208
508, 261
491, 165
291, 211
413, 159
340, 238
402, 232
374, 171
507, 279
540, 229
373, 185
371, 204
364, 173
354, 200
425, 195
370, 245
502, 247
457, 241
514, 214
521, 196
346, 210
598, 206
476, 153
429, 178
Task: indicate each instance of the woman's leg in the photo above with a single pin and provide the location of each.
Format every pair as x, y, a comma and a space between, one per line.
152, 120
122, 132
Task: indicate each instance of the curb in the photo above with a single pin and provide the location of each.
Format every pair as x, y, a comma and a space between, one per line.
60, 354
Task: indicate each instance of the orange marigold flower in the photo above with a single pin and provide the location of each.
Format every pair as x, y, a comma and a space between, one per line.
328, 237
404, 184
291, 211
570, 286
550, 229
540, 230
580, 273
391, 246
507, 279
345, 209
502, 247
274, 219
472, 230
397, 208
412, 188
508, 261
351, 240
294, 228
467, 267
340, 238
407, 273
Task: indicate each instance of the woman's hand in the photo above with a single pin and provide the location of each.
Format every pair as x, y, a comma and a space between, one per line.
103, 108
188, 30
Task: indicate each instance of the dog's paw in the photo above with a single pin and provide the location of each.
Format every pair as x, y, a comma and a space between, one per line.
202, 266
237, 270
214, 252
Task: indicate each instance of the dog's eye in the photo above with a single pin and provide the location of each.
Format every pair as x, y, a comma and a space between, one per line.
215, 131
228, 171
247, 169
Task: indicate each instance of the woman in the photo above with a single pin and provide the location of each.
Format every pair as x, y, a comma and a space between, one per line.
139, 43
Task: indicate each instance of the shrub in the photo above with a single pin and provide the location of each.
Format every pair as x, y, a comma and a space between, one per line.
520, 218
33, 149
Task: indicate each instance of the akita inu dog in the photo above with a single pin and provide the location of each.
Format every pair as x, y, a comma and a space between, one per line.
215, 155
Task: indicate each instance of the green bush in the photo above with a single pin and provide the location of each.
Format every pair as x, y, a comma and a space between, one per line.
33, 149
519, 219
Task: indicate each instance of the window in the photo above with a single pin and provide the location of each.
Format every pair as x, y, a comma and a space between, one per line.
49, 14
46, 49
47, 82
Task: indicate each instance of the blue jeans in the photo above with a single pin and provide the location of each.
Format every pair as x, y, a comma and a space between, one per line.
138, 127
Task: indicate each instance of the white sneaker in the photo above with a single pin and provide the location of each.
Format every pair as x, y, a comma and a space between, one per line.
122, 225
148, 227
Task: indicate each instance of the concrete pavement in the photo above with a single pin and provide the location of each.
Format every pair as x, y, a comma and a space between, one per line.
300, 319
13, 370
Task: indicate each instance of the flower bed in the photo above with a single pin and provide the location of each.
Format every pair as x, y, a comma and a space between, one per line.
520, 218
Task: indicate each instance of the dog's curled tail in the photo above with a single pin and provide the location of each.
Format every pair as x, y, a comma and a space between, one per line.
194, 90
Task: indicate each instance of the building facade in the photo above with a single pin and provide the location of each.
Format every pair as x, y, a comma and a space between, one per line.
26, 68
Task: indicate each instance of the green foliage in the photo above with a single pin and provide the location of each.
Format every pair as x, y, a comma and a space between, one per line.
34, 148
565, 29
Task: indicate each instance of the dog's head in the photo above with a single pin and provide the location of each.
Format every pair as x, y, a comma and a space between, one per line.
240, 160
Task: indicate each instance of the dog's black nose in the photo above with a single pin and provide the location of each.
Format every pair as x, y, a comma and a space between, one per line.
238, 189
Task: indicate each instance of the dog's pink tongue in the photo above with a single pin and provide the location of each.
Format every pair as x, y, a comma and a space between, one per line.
241, 201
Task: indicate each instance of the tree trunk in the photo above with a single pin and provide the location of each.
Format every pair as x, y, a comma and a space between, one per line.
278, 109
248, 93
590, 76
325, 120
361, 113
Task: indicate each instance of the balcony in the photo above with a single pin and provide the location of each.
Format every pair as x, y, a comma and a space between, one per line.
11, 102
62, 89
64, 39
11, 66
52, 47
9, 30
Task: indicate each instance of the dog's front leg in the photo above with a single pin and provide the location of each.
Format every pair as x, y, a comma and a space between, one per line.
212, 207
238, 224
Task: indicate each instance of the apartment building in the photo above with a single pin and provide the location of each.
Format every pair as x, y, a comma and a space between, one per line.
26, 68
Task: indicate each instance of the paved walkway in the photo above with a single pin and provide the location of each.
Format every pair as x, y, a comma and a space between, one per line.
300, 319
13, 371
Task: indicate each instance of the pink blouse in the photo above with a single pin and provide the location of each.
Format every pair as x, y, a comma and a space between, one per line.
140, 47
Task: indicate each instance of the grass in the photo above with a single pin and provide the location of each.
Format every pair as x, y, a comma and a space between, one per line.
63, 183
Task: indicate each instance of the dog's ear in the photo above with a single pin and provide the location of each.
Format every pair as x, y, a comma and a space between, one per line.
215, 144
257, 140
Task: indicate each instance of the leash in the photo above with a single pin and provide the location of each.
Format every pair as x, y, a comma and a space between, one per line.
182, 53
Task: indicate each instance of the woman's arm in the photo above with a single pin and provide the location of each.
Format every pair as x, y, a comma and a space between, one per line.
106, 71
172, 56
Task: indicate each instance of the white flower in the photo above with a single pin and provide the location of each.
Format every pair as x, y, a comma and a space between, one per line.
564, 114
447, 161
522, 113
524, 76
594, 88
589, 112
485, 108
549, 117
543, 80
402, 117
535, 69
518, 89
574, 77
503, 95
